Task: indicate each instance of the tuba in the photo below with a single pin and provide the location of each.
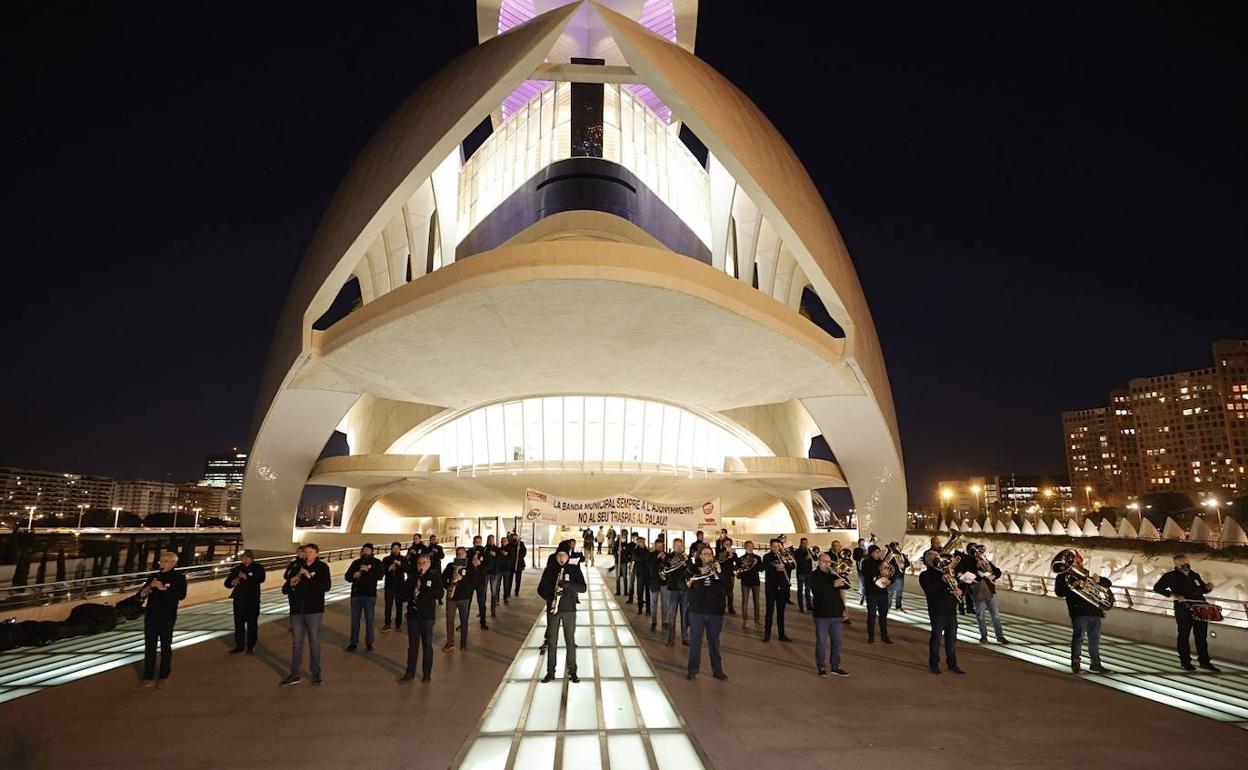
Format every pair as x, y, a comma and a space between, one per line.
1080, 581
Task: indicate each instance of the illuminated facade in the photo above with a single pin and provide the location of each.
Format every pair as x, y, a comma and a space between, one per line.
52, 494
580, 304
1182, 432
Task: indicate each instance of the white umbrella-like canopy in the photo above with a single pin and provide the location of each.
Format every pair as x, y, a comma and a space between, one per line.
1148, 530
1090, 529
1201, 531
1106, 529
1232, 533
1042, 528
1027, 528
1172, 531
1073, 529
1000, 527
1126, 528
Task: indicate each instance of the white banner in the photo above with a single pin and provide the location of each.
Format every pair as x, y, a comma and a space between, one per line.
620, 511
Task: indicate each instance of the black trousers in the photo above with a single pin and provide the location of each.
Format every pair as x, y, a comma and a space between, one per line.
516, 580
246, 622
419, 644
1190, 626
877, 606
157, 629
394, 600
643, 598
775, 610
480, 593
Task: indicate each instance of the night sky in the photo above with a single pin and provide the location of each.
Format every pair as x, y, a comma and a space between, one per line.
1041, 203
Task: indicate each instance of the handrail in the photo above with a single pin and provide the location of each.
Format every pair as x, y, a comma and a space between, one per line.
43, 594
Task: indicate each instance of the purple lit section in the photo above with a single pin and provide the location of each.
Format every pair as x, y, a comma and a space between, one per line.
658, 16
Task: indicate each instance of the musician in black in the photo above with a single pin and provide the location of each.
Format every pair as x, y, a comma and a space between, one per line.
677, 598
776, 589
457, 581
698, 542
1185, 586
1085, 620
658, 584
641, 575
623, 561
307, 587
827, 607
519, 560
749, 572
395, 568
901, 563
506, 564
437, 554
705, 587
363, 574
424, 588
726, 555
942, 609
244, 582
835, 551
560, 585
805, 563
877, 596
416, 549
479, 576
291, 570
162, 591
493, 572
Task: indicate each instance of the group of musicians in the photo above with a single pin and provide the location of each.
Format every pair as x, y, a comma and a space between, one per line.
690, 590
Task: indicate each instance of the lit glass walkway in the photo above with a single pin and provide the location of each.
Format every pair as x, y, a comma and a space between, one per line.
617, 717
1143, 670
28, 670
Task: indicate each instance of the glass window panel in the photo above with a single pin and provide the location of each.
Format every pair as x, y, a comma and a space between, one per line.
609, 664
537, 751
494, 434
633, 412
613, 429
653, 705
533, 430
593, 428
684, 448
487, 753
463, 434
505, 713
637, 665
582, 713
479, 438
652, 434
513, 420
552, 413
544, 710
617, 712
581, 752
674, 751
700, 457
573, 428
671, 427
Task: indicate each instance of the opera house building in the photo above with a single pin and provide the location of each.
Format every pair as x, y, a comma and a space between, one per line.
631, 287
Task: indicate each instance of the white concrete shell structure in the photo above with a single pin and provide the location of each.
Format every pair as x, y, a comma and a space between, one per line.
682, 312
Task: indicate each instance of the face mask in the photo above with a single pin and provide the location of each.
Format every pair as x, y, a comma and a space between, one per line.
1185, 568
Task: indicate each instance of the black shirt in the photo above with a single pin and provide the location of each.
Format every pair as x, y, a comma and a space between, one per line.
164, 604
573, 584
750, 576
828, 602
706, 595
804, 562
245, 590
464, 589
777, 574
626, 552
1076, 605
641, 564
423, 604
308, 597
728, 563
394, 567
870, 571
365, 582
477, 573
1189, 585
939, 599
493, 560
675, 581
436, 555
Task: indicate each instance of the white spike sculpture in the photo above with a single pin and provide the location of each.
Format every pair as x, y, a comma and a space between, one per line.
1000, 527
1201, 532
1042, 528
1148, 530
1090, 529
1126, 528
1106, 530
1073, 529
1172, 531
1232, 533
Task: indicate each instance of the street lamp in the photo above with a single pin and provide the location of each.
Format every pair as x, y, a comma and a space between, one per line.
197, 512
116, 517
1216, 505
946, 494
176, 508
333, 515
975, 490
81, 507
1087, 493
30, 521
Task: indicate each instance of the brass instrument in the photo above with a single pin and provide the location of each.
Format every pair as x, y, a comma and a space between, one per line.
748, 563
947, 564
786, 556
554, 603
885, 576
982, 565
1080, 581
704, 574
674, 566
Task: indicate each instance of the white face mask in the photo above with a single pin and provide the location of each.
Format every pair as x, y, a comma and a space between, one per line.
1185, 568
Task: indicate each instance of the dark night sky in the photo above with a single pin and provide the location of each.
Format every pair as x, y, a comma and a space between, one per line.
1041, 203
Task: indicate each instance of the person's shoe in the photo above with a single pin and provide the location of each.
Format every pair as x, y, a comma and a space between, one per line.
823, 673
385, 629
144, 684
161, 683
463, 645
1208, 666
870, 640
690, 676
351, 647
370, 648
484, 627
550, 677
1003, 640
935, 670
886, 640
406, 678
684, 642
236, 651
731, 611
493, 612
425, 678
1075, 666
766, 637
1096, 668
843, 672
317, 681
670, 643
573, 678
784, 638
505, 602
956, 670
1187, 666
398, 629
448, 647
251, 650
983, 640
664, 626
721, 676
847, 622
758, 624
745, 624
630, 600
291, 680
653, 628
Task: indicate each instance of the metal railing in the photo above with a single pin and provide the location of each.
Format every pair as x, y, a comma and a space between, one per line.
43, 594
1234, 611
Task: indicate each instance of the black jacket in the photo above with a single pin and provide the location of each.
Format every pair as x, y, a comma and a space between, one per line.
477, 573
706, 595
777, 575
493, 560
423, 604
436, 555
464, 589
728, 566
870, 571
676, 580
828, 602
626, 552
308, 597
654, 569
1076, 605
641, 565
939, 599
245, 590
518, 560
751, 576
164, 604
1189, 586
573, 584
365, 584
394, 567
805, 565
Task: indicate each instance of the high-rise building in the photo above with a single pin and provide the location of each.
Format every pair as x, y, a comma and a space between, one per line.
209, 500
1181, 432
1053, 495
143, 498
226, 471
53, 494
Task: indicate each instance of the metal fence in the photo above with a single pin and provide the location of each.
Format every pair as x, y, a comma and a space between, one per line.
43, 594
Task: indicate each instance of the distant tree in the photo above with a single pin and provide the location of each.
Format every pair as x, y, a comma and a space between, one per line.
1158, 506
130, 554
114, 561
60, 565
41, 575
21, 575
97, 566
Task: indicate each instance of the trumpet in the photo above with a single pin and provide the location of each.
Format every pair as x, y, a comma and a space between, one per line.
885, 576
